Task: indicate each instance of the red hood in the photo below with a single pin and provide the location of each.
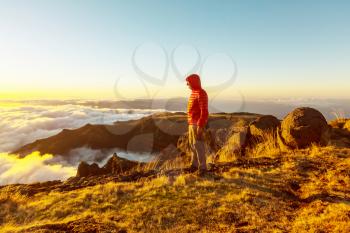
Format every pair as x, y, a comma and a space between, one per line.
194, 81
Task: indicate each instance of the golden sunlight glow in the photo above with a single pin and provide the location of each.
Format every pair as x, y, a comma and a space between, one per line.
31, 168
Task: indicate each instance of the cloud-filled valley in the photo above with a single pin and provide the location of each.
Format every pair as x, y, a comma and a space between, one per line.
21, 124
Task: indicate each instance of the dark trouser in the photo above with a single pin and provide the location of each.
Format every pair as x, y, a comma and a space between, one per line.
197, 145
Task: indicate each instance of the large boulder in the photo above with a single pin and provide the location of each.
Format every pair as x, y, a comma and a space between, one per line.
263, 125
304, 126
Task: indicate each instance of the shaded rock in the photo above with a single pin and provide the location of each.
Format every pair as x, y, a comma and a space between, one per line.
304, 126
245, 133
248, 134
339, 138
235, 145
263, 125
280, 141
116, 165
212, 142
167, 154
84, 169
340, 133
221, 136
238, 140
183, 149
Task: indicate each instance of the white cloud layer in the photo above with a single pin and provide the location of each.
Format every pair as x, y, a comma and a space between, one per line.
100, 157
20, 125
24, 123
39, 168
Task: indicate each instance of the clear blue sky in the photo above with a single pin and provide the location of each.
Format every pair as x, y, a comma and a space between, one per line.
72, 49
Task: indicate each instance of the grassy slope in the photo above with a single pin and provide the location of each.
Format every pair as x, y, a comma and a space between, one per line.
301, 191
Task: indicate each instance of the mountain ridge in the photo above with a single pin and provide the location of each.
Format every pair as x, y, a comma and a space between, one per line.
149, 134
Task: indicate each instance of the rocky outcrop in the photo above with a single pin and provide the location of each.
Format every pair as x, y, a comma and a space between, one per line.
114, 166
117, 165
339, 138
234, 146
302, 127
258, 131
248, 135
84, 169
263, 125
221, 126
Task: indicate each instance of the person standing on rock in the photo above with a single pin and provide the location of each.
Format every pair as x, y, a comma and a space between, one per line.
197, 117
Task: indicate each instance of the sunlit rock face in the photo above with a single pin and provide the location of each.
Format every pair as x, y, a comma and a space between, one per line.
263, 125
347, 125
115, 165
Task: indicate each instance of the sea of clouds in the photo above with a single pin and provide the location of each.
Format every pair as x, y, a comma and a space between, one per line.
23, 123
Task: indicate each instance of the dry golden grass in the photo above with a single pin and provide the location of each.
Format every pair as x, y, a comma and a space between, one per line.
322, 216
301, 191
267, 146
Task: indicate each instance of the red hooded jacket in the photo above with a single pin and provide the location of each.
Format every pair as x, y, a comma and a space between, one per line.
197, 108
